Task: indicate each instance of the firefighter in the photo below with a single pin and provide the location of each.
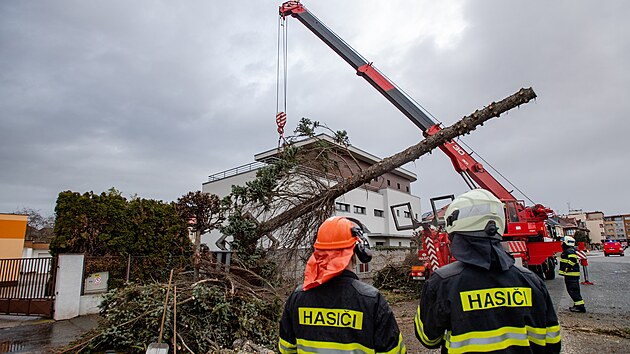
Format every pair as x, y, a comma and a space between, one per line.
483, 302
333, 311
570, 269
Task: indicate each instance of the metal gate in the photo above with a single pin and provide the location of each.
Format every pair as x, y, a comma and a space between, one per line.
27, 286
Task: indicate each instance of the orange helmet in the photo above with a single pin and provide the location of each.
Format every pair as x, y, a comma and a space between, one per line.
335, 233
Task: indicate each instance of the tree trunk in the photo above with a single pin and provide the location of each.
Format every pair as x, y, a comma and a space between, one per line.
462, 127
196, 254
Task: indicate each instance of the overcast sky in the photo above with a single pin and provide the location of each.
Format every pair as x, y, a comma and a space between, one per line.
151, 97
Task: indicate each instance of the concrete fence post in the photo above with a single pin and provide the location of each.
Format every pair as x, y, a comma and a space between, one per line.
68, 286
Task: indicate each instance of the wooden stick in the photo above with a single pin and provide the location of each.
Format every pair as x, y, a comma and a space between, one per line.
175, 319
168, 290
184, 344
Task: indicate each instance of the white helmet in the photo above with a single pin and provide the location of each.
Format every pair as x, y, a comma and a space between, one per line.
476, 213
569, 241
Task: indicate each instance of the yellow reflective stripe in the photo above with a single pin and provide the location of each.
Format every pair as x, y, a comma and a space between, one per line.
553, 334
581, 302
485, 341
286, 347
568, 262
399, 348
420, 331
572, 274
573, 256
312, 346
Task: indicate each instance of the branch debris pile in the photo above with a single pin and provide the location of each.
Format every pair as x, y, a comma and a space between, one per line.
219, 312
395, 279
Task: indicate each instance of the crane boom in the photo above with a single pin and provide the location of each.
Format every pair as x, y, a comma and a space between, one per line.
473, 172
527, 233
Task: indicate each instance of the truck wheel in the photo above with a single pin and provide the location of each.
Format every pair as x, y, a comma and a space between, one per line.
538, 270
550, 269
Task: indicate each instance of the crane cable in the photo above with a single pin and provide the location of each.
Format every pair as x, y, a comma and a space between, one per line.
281, 80
495, 170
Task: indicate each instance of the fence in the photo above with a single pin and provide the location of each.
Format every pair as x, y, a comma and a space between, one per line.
27, 286
136, 269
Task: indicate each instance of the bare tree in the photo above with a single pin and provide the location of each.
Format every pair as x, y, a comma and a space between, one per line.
203, 212
38, 226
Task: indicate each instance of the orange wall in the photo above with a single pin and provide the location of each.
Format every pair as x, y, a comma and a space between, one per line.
12, 231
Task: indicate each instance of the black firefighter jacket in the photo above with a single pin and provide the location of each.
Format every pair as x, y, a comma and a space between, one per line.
343, 315
569, 263
468, 309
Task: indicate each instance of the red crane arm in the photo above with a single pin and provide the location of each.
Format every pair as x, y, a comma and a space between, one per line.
472, 171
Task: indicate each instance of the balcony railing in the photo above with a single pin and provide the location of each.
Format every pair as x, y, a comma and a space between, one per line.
236, 170
257, 164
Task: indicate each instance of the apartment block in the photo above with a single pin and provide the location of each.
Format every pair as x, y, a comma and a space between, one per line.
617, 227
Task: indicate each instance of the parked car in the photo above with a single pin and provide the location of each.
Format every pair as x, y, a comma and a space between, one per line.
613, 248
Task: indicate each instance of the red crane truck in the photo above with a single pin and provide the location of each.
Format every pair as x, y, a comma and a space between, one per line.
527, 235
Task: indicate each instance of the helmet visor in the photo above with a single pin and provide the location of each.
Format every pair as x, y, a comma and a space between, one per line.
477, 209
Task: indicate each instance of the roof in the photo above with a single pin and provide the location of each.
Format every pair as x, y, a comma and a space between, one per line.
567, 222
357, 153
553, 222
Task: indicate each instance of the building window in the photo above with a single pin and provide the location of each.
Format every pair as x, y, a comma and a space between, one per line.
364, 267
407, 188
407, 214
378, 213
398, 185
399, 244
380, 244
388, 183
342, 207
359, 209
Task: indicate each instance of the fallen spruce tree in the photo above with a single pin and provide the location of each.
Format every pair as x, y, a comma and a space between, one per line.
223, 308
462, 127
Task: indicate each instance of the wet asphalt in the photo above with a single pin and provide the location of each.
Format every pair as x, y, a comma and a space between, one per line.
23, 334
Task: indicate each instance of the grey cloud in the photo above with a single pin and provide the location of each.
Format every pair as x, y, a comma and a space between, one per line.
152, 97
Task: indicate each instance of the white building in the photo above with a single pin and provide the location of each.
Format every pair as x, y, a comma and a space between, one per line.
371, 203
